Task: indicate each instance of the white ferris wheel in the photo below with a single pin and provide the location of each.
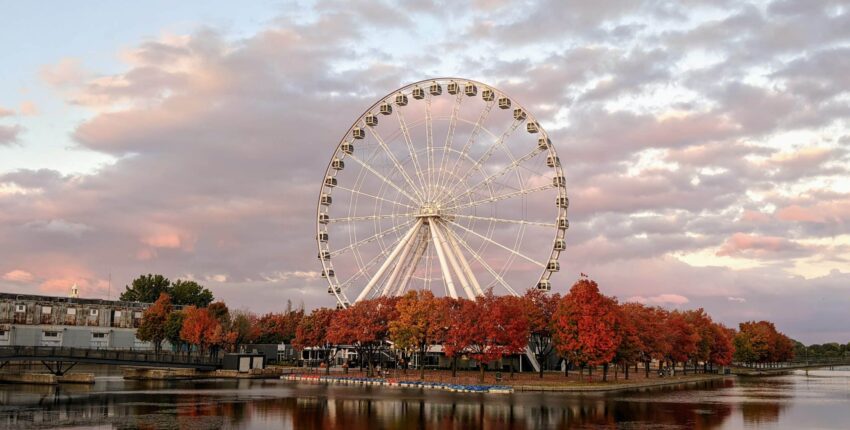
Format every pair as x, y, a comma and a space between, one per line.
447, 185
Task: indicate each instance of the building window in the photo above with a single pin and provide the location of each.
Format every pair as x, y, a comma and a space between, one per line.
93, 312
46, 310
72, 311
96, 335
137, 315
21, 308
51, 334
117, 314
2, 333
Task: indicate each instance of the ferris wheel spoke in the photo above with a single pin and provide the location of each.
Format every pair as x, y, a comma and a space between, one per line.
458, 263
414, 262
405, 241
512, 251
429, 145
449, 137
395, 162
500, 197
382, 177
370, 217
415, 158
361, 193
502, 172
483, 159
369, 239
371, 263
508, 221
484, 264
473, 137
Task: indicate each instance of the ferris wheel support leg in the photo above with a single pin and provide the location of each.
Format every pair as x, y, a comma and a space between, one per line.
461, 276
410, 269
465, 264
380, 273
444, 267
411, 244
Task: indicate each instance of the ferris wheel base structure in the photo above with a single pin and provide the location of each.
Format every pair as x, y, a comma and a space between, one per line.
434, 188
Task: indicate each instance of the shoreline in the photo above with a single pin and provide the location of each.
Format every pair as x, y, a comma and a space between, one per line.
497, 389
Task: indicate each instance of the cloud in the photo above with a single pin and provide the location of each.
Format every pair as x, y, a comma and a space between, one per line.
712, 129
6, 112
28, 108
9, 134
18, 275
661, 299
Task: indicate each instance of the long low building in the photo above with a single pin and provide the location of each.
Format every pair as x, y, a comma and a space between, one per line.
33, 320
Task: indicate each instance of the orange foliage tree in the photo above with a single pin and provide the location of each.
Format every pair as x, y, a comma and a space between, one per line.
682, 337
422, 321
586, 326
152, 328
200, 328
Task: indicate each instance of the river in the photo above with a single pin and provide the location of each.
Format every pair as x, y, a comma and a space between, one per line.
820, 399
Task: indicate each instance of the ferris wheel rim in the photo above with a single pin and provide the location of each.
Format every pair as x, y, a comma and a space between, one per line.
327, 268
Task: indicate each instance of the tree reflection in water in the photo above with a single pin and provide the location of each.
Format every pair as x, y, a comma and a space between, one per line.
277, 404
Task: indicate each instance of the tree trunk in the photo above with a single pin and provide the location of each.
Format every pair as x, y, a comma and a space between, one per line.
605, 372
626, 370
454, 366
616, 371
422, 362
566, 368
684, 367
512, 368
540, 365
481, 372
646, 368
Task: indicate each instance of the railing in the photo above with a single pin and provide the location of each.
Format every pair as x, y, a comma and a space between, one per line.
827, 361
85, 354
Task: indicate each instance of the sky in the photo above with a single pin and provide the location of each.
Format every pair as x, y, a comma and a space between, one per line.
705, 145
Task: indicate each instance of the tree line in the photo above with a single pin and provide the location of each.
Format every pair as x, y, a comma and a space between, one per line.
585, 328
214, 328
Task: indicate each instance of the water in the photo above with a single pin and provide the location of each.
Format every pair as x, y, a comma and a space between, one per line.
819, 400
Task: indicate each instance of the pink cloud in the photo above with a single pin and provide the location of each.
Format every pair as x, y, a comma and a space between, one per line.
18, 275
753, 245
755, 216
822, 212
661, 299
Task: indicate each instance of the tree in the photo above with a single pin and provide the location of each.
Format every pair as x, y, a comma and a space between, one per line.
312, 332
173, 326
682, 337
702, 326
631, 348
540, 308
422, 321
455, 344
512, 326
200, 328
146, 289
722, 348
152, 328
244, 323
365, 325
186, 293
279, 328
586, 325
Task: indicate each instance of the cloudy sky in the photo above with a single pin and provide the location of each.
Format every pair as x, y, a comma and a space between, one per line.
705, 146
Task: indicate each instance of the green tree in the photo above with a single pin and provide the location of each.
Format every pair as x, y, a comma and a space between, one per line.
173, 325
185, 293
146, 289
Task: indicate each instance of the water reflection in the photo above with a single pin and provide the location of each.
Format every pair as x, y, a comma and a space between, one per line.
115, 403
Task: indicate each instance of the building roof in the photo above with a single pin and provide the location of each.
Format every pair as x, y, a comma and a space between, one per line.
70, 300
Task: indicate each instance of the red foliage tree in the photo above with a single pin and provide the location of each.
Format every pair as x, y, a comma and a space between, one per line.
702, 327
682, 337
540, 309
364, 325
586, 325
312, 332
722, 349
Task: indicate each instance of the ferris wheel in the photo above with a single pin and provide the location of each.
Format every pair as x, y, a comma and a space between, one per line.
446, 185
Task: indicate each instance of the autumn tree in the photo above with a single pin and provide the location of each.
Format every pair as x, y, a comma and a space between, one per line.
277, 328
701, 324
540, 309
200, 328
722, 349
244, 324
586, 325
422, 321
512, 326
455, 343
312, 332
365, 325
631, 348
760, 342
682, 337
152, 328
